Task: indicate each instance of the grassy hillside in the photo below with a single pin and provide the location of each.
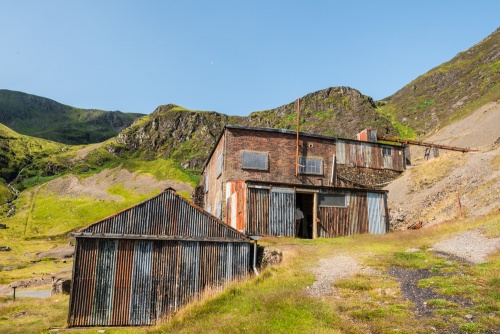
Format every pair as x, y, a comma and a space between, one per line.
44, 118
18, 152
448, 92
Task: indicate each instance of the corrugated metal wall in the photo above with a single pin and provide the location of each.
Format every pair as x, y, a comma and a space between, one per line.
139, 282
365, 154
257, 212
272, 212
376, 215
282, 213
364, 214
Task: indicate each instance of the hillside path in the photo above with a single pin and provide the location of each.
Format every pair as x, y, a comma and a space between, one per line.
467, 246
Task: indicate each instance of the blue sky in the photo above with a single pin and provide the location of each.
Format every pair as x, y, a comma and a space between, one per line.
233, 57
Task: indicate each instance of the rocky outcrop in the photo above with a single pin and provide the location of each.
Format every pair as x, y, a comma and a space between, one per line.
335, 111
174, 132
188, 136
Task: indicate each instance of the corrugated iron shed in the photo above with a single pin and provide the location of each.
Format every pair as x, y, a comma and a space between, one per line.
144, 263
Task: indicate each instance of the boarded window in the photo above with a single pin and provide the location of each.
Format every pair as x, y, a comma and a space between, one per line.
206, 183
386, 151
254, 160
209, 209
333, 200
218, 212
310, 166
219, 165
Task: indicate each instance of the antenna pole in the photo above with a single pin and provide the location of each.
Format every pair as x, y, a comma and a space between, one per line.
297, 143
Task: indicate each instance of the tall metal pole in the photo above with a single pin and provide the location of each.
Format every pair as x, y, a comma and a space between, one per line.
297, 143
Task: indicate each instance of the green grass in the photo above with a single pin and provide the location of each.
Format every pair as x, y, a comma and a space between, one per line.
405, 131
30, 315
162, 169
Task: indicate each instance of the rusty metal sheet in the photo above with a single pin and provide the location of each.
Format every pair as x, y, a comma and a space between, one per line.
258, 212
123, 288
82, 294
104, 282
376, 214
165, 214
282, 213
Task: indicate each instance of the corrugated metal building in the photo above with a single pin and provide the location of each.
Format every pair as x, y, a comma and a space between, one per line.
251, 182
143, 264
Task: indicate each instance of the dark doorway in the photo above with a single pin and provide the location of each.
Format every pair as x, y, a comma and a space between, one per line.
305, 202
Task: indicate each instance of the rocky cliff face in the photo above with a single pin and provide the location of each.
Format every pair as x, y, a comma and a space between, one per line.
188, 136
174, 132
335, 111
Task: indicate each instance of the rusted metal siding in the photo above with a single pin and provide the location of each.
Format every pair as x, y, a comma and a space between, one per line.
235, 204
364, 214
258, 212
282, 213
165, 214
83, 283
164, 277
123, 286
369, 155
358, 213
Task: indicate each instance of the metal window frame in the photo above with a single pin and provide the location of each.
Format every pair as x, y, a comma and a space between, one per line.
346, 200
303, 166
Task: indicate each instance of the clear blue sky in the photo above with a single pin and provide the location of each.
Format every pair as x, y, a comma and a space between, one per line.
233, 57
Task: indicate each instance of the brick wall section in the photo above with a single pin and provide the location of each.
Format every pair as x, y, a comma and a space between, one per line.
281, 154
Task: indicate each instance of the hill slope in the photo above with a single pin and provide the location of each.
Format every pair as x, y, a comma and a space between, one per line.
428, 190
44, 118
18, 151
451, 90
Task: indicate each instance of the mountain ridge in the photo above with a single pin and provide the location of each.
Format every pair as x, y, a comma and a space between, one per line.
45, 118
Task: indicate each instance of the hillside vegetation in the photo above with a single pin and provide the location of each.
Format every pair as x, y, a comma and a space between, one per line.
18, 152
450, 91
44, 118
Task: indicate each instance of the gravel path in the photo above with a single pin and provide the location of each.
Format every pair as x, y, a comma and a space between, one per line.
332, 269
469, 246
